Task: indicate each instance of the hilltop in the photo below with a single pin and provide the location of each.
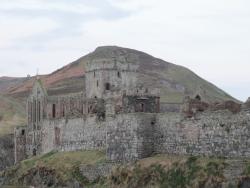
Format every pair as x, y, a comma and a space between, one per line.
173, 80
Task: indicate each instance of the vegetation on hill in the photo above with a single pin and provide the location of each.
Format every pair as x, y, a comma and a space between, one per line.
12, 114
8, 82
160, 171
175, 81
55, 169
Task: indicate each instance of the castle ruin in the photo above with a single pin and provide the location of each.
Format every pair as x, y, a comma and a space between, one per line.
115, 114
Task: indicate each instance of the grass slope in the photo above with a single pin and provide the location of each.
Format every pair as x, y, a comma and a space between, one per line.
62, 166
160, 171
12, 114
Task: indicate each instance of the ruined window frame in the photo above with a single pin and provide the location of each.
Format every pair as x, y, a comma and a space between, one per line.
53, 110
107, 86
119, 74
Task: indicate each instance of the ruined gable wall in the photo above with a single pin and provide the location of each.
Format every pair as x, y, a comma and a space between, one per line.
219, 133
36, 103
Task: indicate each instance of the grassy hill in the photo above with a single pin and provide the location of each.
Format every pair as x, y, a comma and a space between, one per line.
173, 80
160, 171
7, 82
12, 114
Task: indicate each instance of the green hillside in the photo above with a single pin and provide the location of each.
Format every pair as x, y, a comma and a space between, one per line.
12, 114
160, 171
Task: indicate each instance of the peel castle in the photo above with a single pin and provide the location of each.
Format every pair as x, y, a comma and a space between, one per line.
114, 114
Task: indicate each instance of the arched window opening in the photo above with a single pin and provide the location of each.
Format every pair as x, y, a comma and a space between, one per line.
89, 109
107, 86
82, 109
39, 111
142, 107
35, 111
31, 112
54, 110
198, 97
63, 110
34, 152
23, 131
97, 83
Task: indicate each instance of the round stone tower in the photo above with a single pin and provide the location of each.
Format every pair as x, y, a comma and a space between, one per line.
109, 72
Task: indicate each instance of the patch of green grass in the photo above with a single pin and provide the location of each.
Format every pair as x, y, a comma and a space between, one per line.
65, 164
160, 171
246, 171
185, 172
12, 113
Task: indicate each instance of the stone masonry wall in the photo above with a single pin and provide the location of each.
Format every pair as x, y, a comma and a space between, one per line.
218, 133
73, 134
19, 144
129, 136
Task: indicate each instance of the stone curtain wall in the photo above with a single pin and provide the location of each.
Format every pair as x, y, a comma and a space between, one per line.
73, 134
218, 133
129, 136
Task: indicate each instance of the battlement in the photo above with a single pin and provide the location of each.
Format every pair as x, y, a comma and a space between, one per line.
110, 64
154, 92
66, 96
139, 92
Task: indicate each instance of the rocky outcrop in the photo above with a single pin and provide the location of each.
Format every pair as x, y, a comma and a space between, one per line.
94, 172
6, 151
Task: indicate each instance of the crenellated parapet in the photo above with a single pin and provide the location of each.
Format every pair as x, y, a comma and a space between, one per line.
110, 64
141, 92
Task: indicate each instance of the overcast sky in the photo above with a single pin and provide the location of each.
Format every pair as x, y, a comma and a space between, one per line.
210, 37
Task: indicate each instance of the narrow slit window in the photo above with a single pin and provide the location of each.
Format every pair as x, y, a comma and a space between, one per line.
35, 112
142, 107
198, 97
63, 110
39, 111
107, 86
54, 110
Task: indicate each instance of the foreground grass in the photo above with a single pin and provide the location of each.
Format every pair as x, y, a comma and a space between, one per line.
63, 166
170, 172
160, 171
